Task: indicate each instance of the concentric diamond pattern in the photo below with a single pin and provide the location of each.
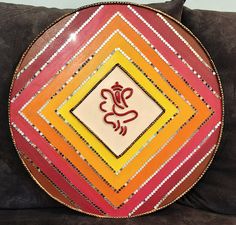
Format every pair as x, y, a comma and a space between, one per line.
117, 115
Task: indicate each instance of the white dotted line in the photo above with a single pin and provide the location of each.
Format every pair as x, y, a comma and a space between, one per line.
172, 49
176, 169
56, 53
185, 177
48, 44
184, 41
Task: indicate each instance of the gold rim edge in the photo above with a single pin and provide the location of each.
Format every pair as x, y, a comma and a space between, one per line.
171, 18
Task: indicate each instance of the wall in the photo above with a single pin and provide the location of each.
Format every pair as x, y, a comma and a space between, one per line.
221, 5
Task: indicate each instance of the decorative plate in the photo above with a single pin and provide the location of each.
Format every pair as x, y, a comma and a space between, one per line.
116, 110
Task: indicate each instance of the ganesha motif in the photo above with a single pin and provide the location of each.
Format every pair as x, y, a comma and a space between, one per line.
116, 107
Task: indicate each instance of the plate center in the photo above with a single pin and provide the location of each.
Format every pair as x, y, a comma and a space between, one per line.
117, 111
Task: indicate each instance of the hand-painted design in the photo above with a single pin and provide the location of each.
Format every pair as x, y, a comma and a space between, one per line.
162, 59
119, 96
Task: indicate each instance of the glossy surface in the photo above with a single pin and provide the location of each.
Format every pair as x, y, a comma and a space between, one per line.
117, 112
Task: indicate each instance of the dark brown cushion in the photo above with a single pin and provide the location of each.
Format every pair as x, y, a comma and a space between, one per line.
216, 191
19, 25
174, 214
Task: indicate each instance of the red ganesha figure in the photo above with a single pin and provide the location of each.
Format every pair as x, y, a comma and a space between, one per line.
116, 108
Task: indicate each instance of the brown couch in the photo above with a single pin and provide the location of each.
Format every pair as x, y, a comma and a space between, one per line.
212, 201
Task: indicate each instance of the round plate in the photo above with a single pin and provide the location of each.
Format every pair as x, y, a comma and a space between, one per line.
116, 110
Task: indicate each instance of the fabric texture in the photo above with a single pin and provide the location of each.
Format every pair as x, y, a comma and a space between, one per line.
19, 25
174, 214
216, 191
173, 8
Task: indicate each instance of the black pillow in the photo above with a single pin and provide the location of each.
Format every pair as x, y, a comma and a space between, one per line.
19, 25
216, 191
